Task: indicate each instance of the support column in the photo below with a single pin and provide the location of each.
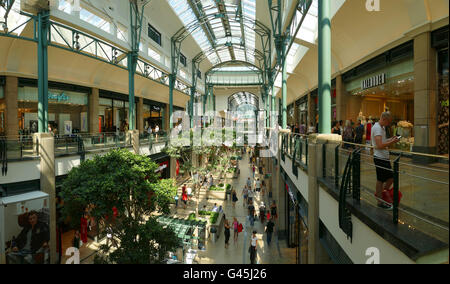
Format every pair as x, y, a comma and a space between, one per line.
284, 86
132, 62
140, 115
133, 139
342, 101
11, 101
425, 95
93, 111
315, 166
48, 185
43, 27
172, 79
324, 67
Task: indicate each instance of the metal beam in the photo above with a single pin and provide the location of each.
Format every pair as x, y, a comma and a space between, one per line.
136, 18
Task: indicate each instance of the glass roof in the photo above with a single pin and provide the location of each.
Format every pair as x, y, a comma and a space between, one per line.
225, 27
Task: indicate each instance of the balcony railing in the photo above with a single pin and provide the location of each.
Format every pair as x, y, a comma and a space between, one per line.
420, 191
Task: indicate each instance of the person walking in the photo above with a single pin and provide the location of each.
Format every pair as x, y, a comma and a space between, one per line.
269, 230
234, 197
254, 169
184, 196
227, 232
235, 229
245, 194
252, 249
251, 213
273, 210
258, 185
249, 183
251, 195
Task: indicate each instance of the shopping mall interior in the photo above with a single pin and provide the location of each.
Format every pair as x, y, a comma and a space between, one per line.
224, 131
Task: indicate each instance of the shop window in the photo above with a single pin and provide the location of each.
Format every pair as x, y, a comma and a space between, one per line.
67, 111
183, 60
154, 34
332, 247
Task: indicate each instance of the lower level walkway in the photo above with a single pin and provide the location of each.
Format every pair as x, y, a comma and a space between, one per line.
237, 251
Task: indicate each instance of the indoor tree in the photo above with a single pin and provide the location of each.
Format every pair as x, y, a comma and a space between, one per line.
122, 191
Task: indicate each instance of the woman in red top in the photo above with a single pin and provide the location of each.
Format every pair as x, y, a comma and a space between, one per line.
184, 196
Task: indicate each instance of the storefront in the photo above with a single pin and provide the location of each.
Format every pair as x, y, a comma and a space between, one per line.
67, 108
113, 112
302, 110
440, 43
2, 107
153, 115
296, 221
384, 83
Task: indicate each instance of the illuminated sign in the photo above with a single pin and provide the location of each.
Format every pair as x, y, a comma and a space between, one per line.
373, 81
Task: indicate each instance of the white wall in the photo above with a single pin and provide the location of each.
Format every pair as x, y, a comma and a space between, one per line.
363, 236
301, 182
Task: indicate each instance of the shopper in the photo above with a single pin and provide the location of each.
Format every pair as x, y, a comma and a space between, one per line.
249, 183
252, 249
189, 193
76, 240
359, 133
273, 210
251, 195
258, 185
184, 196
335, 128
381, 157
234, 197
251, 213
269, 230
348, 134
226, 232
245, 194
236, 229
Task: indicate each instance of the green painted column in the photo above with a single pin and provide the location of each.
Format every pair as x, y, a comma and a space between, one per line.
171, 88
43, 21
191, 106
132, 61
284, 86
274, 108
324, 67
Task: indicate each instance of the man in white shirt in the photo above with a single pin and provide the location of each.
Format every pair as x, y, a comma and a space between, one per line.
381, 157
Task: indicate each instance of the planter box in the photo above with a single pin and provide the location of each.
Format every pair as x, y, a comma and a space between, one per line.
219, 195
218, 225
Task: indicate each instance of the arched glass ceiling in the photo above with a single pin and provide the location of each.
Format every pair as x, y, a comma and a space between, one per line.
226, 27
240, 99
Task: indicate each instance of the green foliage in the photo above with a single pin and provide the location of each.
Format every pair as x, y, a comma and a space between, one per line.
213, 216
121, 180
146, 243
216, 188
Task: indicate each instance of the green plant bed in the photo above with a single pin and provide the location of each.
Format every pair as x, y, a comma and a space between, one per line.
213, 216
215, 188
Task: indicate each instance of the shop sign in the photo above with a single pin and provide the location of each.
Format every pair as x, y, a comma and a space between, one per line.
58, 97
373, 81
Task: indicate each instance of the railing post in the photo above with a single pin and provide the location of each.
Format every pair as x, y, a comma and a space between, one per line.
396, 190
324, 160
336, 166
306, 152
357, 175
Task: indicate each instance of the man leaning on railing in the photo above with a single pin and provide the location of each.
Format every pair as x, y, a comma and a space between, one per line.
381, 157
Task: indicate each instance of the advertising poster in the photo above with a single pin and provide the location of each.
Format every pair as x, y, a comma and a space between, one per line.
24, 229
67, 127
